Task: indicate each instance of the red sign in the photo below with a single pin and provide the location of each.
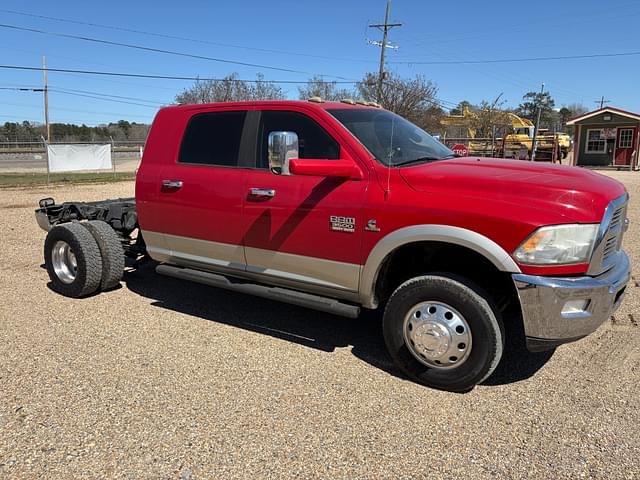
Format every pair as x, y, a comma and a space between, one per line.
460, 149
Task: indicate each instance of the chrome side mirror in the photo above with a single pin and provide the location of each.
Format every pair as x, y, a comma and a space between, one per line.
283, 146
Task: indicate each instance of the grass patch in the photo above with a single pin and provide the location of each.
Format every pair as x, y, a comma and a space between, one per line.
32, 179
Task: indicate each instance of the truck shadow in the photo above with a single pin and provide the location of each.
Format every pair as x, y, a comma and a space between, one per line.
318, 330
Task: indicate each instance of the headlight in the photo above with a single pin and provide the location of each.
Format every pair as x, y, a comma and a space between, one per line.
558, 245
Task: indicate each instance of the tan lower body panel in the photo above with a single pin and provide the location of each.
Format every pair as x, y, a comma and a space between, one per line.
290, 268
201, 253
319, 271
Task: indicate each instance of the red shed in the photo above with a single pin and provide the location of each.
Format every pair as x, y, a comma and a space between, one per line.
607, 137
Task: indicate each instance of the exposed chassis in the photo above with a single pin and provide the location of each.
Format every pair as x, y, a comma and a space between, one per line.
120, 213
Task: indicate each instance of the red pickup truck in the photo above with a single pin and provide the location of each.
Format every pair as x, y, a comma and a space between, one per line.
341, 206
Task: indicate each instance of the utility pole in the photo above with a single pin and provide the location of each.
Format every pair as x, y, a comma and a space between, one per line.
385, 27
493, 127
46, 99
602, 101
535, 128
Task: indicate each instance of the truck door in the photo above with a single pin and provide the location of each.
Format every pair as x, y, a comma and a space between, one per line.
201, 192
303, 229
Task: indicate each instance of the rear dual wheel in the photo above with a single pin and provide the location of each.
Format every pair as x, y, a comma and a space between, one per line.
82, 257
443, 332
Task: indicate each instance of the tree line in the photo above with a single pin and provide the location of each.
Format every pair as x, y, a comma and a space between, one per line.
414, 98
121, 130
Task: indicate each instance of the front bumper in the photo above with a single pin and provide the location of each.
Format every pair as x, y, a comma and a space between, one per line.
547, 322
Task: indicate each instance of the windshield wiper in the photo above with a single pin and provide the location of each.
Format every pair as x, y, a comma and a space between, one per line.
418, 160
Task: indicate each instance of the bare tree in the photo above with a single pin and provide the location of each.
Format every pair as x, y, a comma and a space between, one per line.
410, 98
429, 120
230, 89
318, 87
493, 119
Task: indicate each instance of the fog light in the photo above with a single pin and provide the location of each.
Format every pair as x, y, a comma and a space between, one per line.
573, 307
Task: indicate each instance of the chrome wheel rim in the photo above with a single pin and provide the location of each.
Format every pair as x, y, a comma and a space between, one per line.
64, 262
437, 335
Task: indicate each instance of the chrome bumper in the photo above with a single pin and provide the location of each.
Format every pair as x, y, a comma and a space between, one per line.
547, 322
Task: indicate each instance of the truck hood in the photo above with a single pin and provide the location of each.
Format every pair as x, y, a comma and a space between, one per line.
578, 194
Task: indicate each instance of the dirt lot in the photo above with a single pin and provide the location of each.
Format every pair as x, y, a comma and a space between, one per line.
163, 379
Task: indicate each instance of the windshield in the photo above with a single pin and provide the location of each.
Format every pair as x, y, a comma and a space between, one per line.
391, 139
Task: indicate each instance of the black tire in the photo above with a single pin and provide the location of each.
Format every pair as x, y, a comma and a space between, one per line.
474, 306
110, 250
88, 271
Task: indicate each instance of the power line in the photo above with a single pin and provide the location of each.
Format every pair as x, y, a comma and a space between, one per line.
76, 111
156, 50
162, 77
156, 102
31, 120
89, 94
93, 64
186, 39
514, 60
23, 89
104, 98
444, 104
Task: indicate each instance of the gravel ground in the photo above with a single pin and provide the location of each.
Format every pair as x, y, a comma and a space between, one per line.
164, 379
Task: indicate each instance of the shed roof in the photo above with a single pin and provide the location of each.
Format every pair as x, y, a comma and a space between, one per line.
617, 111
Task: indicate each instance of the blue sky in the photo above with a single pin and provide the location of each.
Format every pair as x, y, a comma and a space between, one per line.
328, 38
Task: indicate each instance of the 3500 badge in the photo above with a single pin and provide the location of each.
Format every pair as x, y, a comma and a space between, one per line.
342, 224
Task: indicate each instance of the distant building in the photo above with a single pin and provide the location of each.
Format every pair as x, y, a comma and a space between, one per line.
607, 137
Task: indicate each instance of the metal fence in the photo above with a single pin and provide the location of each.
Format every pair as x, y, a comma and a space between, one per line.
31, 146
489, 147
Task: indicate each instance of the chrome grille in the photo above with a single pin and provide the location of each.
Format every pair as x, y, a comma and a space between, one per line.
610, 247
617, 218
610, 236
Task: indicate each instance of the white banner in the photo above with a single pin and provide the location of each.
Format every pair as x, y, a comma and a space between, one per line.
68, 158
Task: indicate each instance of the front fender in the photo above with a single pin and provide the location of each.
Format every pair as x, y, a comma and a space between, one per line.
428, 233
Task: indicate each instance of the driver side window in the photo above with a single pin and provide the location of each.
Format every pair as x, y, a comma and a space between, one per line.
313, 141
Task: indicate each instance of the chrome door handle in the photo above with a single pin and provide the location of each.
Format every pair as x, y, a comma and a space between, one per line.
171, 185
262, 192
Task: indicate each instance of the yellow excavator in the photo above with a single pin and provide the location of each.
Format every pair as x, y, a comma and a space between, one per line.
517, 143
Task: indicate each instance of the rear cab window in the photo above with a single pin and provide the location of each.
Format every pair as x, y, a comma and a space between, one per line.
213, 138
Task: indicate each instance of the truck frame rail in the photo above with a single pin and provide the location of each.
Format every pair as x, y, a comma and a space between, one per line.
119, 213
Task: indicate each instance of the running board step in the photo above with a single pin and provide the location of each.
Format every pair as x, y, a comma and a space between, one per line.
293, 297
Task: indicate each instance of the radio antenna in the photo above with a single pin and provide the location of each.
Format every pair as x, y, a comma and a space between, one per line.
390, 158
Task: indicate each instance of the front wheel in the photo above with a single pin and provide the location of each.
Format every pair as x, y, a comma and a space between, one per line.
442, 331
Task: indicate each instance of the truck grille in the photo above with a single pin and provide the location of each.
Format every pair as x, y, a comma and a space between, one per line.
617, 217
604, 255
610, 247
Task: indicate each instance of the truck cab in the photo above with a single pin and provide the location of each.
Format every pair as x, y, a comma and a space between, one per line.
527, 131
340, 206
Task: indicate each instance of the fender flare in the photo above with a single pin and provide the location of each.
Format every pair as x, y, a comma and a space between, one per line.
425, 233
